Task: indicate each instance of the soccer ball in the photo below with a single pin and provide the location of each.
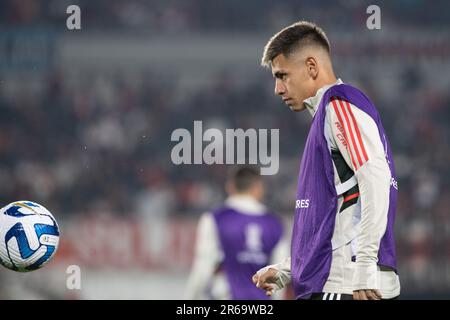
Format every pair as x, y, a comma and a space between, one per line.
29, 236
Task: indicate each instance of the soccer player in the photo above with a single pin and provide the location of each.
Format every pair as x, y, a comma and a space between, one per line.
342, 244
235, 241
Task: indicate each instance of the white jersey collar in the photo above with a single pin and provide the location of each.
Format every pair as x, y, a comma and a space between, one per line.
312, 103
245, 204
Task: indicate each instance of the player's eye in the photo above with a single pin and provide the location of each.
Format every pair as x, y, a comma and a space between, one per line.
280, 75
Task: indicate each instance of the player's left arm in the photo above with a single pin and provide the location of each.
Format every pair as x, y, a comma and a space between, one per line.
363, 150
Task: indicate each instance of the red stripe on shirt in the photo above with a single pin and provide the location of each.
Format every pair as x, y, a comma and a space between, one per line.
352, 136
358, 134
350, 197
336, 110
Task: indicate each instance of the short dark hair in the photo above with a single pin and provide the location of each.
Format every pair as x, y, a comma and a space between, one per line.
243, 177
297, 35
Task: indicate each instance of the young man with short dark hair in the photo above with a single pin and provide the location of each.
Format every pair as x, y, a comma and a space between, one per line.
343, 243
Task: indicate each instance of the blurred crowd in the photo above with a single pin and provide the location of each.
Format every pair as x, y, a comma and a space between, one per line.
100, 142
199, 15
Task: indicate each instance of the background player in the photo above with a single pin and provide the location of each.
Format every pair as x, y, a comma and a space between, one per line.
234, 241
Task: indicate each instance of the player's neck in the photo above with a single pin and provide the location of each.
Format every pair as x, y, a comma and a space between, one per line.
249, 194
327, 80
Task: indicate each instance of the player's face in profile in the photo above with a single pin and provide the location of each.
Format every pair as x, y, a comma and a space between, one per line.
292, 81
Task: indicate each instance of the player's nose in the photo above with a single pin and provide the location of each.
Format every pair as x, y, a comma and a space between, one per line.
280, 89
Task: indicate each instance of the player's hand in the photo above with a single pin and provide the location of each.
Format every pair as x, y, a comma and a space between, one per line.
266, 279
368, 294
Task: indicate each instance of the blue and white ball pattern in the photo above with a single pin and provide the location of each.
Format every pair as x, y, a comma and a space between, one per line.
29, 236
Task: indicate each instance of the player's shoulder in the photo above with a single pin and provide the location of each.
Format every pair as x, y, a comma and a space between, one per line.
220, 210
345, 96
344, 89
347, 92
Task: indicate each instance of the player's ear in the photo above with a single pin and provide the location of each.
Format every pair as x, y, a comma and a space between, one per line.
312, 67
229, 188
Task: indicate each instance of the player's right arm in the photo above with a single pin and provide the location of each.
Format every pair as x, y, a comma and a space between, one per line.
208, 255
273, 277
